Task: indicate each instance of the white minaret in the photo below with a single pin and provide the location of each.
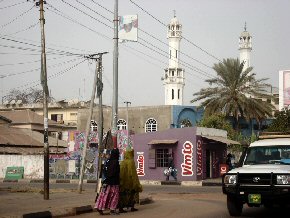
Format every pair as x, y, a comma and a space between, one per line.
245, 47
173, 79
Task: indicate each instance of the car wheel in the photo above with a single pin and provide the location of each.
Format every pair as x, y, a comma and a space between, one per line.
235, 207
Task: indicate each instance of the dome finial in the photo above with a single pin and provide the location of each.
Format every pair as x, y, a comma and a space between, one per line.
174, 13
245, 26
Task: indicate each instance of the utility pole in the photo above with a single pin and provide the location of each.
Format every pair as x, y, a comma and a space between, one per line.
45, 96
115, 77
100, 122
127, 103
98, 67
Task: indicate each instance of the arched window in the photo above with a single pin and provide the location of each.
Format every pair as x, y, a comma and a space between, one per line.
172, 94
94, 125
178, 94
151, 125
121, 124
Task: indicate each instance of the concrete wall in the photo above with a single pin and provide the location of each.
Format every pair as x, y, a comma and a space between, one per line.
137, 117
182, 135
33, 165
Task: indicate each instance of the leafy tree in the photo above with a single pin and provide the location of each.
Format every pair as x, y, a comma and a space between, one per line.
218, 121
27, 96
235, 92
281, 122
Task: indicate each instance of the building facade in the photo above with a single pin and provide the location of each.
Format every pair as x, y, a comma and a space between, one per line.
197, 153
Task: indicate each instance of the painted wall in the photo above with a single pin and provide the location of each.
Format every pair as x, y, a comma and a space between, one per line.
68, 165
141, 148
180, 113
33, 165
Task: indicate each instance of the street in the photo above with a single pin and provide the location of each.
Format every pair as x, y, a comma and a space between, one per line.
168, 201
204, 204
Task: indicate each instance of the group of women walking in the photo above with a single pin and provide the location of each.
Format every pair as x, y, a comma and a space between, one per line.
120, 185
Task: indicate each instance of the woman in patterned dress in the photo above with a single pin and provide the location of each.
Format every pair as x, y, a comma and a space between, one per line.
109, 196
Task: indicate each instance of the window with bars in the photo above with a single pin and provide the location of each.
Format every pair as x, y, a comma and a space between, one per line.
121, 124
94, 125
151, 125
162, 157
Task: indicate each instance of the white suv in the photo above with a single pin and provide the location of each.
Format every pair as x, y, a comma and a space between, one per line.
263, 178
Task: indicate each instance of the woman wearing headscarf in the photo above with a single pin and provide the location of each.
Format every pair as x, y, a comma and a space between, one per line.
109, 196
129, 183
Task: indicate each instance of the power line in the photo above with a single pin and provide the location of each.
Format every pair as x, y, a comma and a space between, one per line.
156, 51
9, 6
159, 21
37, 69
159, 40
34, 45
50, 77
86, 14
22, 63
17, 17
25, 29
59, 13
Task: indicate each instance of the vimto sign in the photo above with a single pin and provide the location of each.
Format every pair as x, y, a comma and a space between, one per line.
140, 164
186, 166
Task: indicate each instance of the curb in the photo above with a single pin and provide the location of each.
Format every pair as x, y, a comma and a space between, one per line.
211, 184
73, 211
74, 181
41, 181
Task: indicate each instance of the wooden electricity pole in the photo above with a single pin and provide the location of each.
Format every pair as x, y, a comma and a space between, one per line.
88, 127
45, 96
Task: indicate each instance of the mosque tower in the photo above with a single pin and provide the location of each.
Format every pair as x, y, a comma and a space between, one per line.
245, 47
173, 79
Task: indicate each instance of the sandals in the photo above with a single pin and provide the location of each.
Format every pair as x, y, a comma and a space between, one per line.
113, 212
133, 209
100, 212
121, 210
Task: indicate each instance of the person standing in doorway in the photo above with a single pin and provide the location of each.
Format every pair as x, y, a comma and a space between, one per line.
109, 196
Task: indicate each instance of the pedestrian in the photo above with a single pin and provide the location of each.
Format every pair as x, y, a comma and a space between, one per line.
129, 183
109, 196
229, 161
172, 171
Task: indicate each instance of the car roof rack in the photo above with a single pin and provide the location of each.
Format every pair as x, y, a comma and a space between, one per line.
273, 135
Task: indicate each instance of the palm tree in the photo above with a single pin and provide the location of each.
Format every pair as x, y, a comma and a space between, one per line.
235, 92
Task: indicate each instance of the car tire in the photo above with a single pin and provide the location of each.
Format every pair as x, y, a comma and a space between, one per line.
235, 207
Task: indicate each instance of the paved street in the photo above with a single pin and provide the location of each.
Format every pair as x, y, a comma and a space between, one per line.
207, 203
169, 201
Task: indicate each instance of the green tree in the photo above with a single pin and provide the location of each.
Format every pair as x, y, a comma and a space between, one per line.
281, 122
218, 121
235, 92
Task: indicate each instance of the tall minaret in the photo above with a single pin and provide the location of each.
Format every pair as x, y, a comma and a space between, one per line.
245, 47
173, 79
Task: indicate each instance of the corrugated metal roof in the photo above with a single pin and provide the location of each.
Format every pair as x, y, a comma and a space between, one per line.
162, 141
222, 139
25, 117
26, 137
28, 150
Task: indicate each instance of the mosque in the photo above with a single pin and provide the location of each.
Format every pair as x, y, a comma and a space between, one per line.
157, 132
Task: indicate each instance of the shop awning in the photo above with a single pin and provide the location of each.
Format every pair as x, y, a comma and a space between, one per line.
222, 139
166, 141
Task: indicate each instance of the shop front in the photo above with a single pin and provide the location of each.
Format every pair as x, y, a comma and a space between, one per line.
196, 152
